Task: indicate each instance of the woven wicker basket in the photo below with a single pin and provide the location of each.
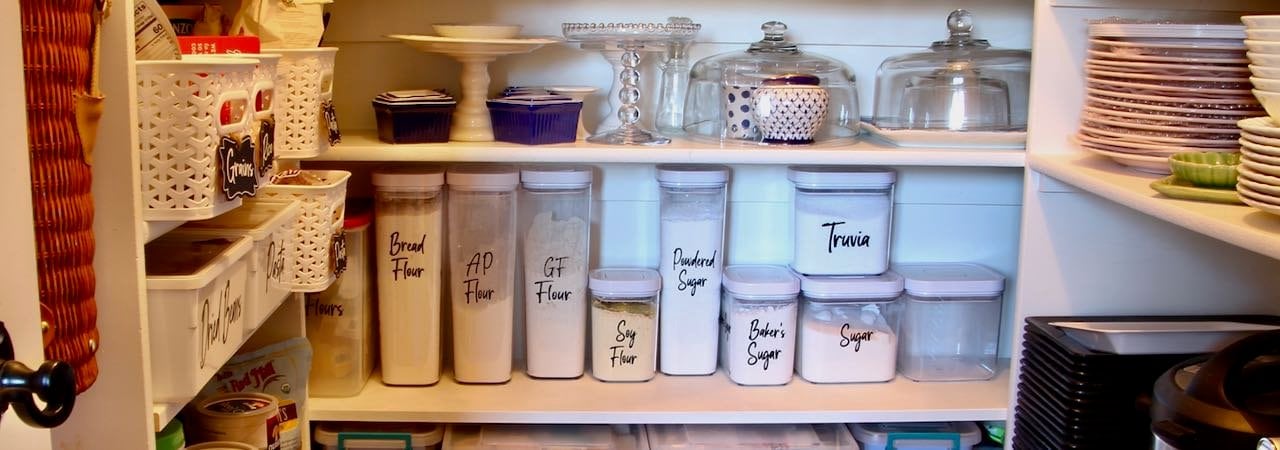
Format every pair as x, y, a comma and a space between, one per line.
57, 51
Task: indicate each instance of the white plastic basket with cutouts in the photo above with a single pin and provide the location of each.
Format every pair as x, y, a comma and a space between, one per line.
184, 109
263, 124
316, 241
305, 77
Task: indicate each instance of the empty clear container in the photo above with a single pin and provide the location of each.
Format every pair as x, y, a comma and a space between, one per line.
410, 211
374, 435
758, 324
843, 219
340, 319
751, 437
546, 437
555, 224
624, 324
691, 257
849, 328
950, 321
482, 255
917, 436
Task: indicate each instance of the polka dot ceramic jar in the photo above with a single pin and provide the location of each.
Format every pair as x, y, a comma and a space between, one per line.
789, 109
740, 123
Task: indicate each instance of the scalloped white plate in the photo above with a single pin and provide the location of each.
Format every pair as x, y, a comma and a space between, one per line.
1012, 140
1131, 56
1262, 126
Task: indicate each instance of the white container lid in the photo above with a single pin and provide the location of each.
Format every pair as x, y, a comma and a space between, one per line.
877, 434
692, 175
835, 177
556, 177
760, 282
185, 261
546, 437
429, 178
950, 280
483, 178
887, 285
752, 436
625, 282
256, 218
420, 434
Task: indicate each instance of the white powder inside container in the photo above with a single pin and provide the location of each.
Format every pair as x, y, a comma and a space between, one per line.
555, 287
408, 264
482, 281
842, 234
760, 341
691, 260
623, 340
846, 342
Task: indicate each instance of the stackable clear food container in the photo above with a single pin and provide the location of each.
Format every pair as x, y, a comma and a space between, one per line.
950, 321
546, 437
375, 436
849, 328
340, 319
758, 324
624, 323
843, 219
750, 437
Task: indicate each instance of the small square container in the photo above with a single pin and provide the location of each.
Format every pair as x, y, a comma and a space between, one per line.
624, 323
546, 437
950, 321
753, 437
758, 324
373, 436
917, 436
535, 119
843, 219
414, 117
849, 328
195, 309
266, 222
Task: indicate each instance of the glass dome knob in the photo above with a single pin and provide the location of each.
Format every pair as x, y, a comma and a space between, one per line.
774, 30
960, 22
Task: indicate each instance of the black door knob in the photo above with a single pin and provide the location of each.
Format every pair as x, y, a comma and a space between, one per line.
54, 383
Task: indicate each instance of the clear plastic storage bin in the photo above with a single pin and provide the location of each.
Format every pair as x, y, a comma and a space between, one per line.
624, 324
482, 255
555, 234
843, 219
950, 321
917, 436
374, 436
410, 241
546, 437
754, 437
758, 324
849, 328
340, 319
691, 257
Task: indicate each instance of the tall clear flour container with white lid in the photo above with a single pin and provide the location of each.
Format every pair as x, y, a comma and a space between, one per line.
691, 257
482, 255
624, 323
555, 231
758, 324
409, 208
843, 219
950, 321
849, 328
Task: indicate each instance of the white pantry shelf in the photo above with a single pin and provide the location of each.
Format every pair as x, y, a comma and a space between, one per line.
365, 146
1239, 225
669, 399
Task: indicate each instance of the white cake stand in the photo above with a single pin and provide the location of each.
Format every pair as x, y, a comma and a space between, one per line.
471, 119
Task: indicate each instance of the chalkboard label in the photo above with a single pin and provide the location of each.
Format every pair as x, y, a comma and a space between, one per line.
238, 168
330, 123
267, 146
338, 253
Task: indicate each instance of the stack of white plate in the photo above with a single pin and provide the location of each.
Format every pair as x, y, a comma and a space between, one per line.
1158, 89
1263, 42
1259, 172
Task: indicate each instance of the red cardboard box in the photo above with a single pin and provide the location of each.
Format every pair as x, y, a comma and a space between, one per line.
212, 45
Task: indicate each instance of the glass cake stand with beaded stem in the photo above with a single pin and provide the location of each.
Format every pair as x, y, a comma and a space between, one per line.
631, 38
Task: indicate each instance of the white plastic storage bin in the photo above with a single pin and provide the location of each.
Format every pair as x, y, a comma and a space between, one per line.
266, 222
340, 323
843, 219
950, 321
545, 437
305, 77
262, 125
185, 110
758, 324
195, 310
755, 437
849, 328
373, 436
917, 436
315, 243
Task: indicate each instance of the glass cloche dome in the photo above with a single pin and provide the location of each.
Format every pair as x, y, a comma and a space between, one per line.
959, 84
721, 87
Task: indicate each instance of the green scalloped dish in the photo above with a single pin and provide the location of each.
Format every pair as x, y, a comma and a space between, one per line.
1174, 187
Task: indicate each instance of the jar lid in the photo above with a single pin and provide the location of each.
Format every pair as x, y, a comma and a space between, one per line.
692, 175
625, 282
556, 177
424, 177
841, 287
483, 178
793, 79
818, 177
236, 404
950, 279
760, 281
358, 213
420, 434
171, 437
